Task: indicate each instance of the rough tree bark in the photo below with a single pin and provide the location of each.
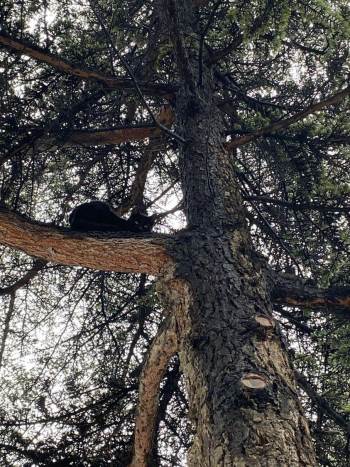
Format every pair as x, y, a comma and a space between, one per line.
140, 253
242, 392
243, 400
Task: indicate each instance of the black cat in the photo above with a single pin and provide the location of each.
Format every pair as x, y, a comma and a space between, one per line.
99, 216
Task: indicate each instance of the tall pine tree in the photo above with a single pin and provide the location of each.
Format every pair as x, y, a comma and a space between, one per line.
210, 341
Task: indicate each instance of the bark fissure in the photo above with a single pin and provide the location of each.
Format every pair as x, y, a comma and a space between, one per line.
242, 391
243, 402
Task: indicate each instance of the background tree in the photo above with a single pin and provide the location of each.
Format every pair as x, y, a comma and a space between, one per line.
233, 114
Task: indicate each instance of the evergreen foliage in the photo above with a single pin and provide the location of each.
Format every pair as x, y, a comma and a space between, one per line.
73, 340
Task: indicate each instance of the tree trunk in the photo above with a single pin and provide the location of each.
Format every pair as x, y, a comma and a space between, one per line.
243, 400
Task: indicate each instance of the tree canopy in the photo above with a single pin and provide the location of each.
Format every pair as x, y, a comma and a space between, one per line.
88, 111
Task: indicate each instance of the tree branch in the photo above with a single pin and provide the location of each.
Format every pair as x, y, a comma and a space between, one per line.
111, 136
37, 141
163, 347
176, 297
298, 206
39, 137
64, 66
283, 124
8, 317
321, 402
127, 67
135, 198
291, 290
38, 265
299, 325
108, 252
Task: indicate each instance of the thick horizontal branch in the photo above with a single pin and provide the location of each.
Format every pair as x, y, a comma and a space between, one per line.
125, 134
36, 142
112, 136
64, 66
107, 252
285, 123
138, 254
293, 291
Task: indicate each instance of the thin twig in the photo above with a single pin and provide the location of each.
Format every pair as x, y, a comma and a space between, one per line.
270, 228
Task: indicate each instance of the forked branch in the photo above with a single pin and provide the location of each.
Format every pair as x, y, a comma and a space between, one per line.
176, 300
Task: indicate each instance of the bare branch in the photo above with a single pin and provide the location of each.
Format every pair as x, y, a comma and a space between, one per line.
293, 291
163, 347
39, 143
64, 66
111, 136
321, 402
38, 265
8, 317
177, 298
135, 198
117, 135
36, 141
283, 124
108, 252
